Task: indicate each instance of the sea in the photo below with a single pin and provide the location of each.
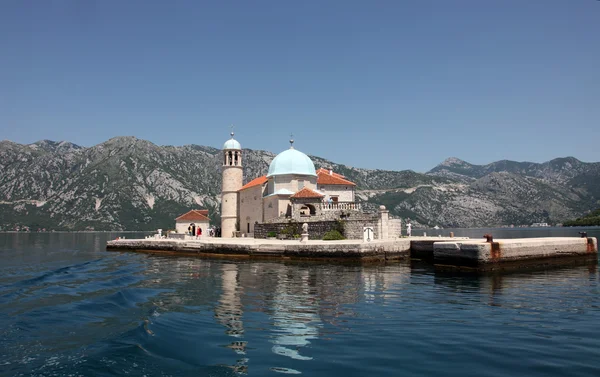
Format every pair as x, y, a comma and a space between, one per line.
68, 307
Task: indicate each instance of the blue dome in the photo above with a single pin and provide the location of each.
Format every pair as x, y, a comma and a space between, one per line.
232, 144
291, 161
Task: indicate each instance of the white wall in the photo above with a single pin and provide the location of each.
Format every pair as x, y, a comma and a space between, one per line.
182, 226
344, 193
290, 182
251, 208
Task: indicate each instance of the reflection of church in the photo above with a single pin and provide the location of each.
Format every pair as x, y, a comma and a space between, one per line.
299, 305
292, 189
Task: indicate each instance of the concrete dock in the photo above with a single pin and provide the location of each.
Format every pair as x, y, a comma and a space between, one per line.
264, 248
445, 253
508, 253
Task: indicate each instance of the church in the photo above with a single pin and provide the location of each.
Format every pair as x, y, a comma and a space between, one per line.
291, 190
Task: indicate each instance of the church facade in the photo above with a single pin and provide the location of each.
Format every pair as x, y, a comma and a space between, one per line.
291, 190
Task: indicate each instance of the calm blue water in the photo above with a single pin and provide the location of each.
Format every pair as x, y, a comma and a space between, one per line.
67, 307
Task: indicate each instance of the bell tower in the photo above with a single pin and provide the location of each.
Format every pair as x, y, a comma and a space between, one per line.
232, 182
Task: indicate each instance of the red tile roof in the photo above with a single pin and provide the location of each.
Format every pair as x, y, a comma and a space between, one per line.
324, 178
194, 215
255, 182
326, 171
306, 193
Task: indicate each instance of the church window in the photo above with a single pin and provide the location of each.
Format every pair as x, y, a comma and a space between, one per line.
300, 184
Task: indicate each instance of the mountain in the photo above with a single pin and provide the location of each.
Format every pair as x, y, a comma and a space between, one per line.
560, 170
130, 184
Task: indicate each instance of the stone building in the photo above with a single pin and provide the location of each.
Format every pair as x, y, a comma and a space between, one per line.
291, 191
197, 217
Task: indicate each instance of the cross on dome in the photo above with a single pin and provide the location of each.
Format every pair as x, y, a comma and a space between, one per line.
291, 141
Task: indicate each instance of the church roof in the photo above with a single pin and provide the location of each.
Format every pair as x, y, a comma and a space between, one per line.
194, 215
325, 178
306, 193
255, 182
291, 161
232, 143
328, 171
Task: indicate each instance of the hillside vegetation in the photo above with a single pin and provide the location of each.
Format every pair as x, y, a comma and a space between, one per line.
592, 219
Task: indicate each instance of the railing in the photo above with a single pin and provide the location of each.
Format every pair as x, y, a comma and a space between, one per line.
337, 206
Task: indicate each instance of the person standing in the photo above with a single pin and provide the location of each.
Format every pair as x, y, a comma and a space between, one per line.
408, 229
199, 233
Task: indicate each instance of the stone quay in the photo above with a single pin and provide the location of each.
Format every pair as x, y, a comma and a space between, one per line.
445, 253
513, 253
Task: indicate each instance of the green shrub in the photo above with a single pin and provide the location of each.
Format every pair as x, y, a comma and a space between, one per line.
271, 234
333, 235
290, 229
340, 226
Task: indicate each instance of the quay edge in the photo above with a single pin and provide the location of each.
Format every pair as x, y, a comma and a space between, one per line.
445, 253
513, 253
253, 248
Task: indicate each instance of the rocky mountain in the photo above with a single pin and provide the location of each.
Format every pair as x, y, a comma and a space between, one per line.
130, 184
502, 193
559, 170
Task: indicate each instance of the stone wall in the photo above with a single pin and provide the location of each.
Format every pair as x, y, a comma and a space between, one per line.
353, 229
232, 182
395, 228
383, 226
316, 229
251, 208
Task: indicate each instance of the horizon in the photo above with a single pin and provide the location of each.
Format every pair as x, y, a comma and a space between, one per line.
275, 153
397, 85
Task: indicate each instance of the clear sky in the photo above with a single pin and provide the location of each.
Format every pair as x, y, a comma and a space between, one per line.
399, 84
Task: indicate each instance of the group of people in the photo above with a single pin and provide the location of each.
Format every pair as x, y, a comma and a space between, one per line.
196, 231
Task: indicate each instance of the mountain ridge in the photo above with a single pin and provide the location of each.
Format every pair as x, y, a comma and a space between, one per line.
126, 183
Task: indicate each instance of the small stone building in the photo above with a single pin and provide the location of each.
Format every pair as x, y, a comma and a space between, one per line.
196, 217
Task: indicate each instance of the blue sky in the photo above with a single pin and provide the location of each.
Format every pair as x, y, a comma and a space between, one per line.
377, 84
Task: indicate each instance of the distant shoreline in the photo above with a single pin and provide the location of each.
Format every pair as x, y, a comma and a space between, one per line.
82, 231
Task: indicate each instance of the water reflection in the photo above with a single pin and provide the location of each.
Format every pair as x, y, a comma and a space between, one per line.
228, 310
295, 313
491, 287
140, 314
299, 300
287, 309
